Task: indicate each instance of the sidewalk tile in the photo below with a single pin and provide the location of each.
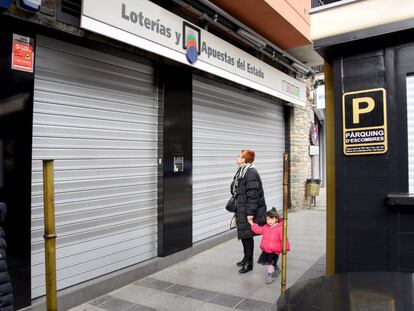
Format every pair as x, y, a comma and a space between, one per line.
251, 304
202, 294
155, 284
101, 300
134, 293
140, 308
226, 300
168, 302
116, 304
178, 289
86, 307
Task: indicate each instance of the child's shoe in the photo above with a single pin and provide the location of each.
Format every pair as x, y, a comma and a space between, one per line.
269, 279
276, 272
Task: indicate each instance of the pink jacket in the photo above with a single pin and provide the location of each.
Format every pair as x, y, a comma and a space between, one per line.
271, 237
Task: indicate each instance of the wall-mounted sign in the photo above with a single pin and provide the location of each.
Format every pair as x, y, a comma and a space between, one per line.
22, 53
152, 28
313, 150
314, 135
320, 97
178, 164
365, 122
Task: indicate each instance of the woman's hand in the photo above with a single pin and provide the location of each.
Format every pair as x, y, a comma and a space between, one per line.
250, 219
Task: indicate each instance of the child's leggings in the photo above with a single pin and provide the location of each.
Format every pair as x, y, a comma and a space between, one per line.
270, 269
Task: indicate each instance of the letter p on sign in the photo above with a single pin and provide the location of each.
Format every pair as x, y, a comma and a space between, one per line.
358, 107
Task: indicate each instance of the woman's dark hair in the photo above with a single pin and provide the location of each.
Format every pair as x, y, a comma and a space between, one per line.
248, 155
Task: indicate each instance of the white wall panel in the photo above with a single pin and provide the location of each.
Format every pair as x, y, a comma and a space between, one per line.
96, 115
226, 120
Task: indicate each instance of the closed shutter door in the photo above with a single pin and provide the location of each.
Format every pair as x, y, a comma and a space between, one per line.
410, 126
226, 120
96, 115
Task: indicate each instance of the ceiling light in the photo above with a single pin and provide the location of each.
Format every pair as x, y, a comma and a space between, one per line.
252, 38
301, 68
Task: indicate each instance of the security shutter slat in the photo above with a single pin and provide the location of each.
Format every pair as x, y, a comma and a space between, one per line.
226, 120
410, 127
96, 115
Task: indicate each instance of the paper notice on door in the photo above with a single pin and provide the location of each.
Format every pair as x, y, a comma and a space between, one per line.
22, 53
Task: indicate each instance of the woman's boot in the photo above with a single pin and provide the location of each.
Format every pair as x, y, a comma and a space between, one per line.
248, 266
241, 263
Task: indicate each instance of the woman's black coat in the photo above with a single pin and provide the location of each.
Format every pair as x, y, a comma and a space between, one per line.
250, 201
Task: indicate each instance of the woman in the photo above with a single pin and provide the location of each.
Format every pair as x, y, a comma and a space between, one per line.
6, 290
251, 204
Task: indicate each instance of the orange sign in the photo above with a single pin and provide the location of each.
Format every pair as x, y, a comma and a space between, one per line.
22, 54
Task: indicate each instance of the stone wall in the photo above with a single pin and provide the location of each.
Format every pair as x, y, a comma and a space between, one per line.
301, 119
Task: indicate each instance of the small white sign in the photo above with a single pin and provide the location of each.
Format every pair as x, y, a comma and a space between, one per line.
313, 150
152, 28
320, 97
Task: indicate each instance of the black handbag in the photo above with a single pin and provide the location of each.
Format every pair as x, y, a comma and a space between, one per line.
231, 205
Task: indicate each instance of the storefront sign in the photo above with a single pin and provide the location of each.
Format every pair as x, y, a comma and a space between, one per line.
150, 27
365, 122
22, 54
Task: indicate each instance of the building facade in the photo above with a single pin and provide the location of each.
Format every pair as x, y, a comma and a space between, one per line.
143, 109
369, 50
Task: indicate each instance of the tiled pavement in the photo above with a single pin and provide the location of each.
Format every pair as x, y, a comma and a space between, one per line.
209, 281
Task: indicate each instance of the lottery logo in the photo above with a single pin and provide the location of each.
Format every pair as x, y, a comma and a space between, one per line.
191, 42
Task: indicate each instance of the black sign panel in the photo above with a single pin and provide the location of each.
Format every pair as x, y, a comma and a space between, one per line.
365, 122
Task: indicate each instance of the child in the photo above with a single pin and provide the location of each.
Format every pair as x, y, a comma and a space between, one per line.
271, 244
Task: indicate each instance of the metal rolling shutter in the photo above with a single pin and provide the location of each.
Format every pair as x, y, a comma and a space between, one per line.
226, 120
410, 128
96, 115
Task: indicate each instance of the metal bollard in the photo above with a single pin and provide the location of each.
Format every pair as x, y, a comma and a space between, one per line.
50, 234
285, 218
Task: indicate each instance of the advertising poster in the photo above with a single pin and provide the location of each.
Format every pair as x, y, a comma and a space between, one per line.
22, 53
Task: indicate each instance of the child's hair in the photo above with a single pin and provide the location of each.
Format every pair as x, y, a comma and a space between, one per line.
273, 213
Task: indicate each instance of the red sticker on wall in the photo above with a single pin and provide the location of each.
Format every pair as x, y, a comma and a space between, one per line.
22, 53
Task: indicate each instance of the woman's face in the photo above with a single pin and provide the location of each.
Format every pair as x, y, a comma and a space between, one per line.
240, 160
271, 221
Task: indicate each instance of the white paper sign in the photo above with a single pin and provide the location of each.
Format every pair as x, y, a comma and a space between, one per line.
313, 150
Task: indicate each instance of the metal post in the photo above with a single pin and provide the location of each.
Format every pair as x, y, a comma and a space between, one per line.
285, 219
50, 235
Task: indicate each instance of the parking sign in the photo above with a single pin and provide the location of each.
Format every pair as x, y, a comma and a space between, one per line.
364, 122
